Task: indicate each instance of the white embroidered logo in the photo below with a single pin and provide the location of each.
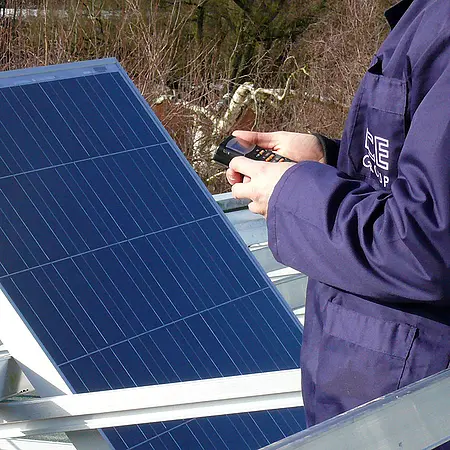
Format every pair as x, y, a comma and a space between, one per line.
377, 157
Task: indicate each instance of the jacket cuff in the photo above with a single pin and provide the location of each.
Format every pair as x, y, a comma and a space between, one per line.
330, 148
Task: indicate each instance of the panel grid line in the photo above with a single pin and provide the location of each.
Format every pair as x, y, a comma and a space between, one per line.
22, 121
78, 161
24, 225
98, 297
90, 203
65, 302
115, 244
110, 297
63, 118
138, 111
73, 118
191, 270
118, 111
12, 138
121, 264
80, 305
36, 191
168, 431
48, 127
67, 324
41, 322
42, 217
89, 99
166, 325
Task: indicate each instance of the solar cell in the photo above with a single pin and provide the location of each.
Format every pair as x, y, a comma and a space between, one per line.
120, 263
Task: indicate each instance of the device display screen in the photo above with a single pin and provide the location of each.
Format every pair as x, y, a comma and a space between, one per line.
240, 146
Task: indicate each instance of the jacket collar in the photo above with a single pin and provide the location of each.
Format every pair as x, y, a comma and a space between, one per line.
394, 14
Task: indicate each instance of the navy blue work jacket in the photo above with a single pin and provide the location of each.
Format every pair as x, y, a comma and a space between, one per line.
373, 233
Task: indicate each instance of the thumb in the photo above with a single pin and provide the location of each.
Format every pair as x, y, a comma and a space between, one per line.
264, 140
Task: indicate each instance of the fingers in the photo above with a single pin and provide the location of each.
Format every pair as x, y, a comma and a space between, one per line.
234, 177
255, 208
245, 166
264, 140
242, 190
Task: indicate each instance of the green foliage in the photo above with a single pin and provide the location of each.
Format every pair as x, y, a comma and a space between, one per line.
253, 30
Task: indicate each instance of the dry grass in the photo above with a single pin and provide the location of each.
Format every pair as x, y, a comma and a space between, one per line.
158, 50
334, 54
328, 62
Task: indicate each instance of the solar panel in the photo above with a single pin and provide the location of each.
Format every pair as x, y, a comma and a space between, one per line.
119, 262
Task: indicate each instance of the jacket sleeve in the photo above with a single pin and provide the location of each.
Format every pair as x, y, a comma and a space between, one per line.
330, 148
390, 246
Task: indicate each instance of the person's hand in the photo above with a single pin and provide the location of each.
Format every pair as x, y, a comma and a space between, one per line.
258, 180
295, 146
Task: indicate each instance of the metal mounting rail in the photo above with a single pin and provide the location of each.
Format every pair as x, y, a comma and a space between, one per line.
204, 398
12, 379
28, 444
253, 230
415, 417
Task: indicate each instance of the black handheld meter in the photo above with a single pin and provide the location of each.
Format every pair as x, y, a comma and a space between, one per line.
231, 147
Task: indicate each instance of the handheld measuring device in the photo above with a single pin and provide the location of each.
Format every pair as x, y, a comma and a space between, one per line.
231, 147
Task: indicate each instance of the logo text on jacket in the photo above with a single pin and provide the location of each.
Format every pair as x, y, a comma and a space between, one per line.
377, 157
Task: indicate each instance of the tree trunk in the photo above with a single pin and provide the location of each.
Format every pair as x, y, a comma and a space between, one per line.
200, 22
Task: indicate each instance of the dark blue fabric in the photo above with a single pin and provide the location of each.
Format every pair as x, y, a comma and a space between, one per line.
373, 233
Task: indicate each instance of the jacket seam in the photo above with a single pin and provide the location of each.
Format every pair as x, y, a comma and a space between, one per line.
366, 347
406, 358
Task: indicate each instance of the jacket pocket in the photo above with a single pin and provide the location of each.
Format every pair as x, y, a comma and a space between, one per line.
377, 128
360, 358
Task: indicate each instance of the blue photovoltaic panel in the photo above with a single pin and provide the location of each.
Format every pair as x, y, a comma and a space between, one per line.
120, 262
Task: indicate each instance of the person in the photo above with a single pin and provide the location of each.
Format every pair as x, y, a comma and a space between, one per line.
367, 218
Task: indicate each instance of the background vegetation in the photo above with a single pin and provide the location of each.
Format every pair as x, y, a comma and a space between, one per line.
299, 60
